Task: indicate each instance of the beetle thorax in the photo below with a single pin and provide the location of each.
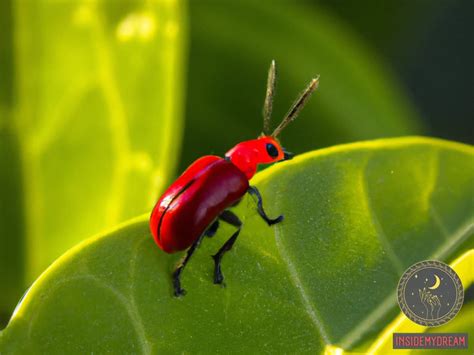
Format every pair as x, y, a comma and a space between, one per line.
245, 158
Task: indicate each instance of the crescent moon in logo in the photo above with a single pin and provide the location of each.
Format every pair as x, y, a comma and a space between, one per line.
436, 284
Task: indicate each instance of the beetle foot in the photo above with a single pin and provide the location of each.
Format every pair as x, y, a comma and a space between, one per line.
179, 292
275, 220
218, 277
219, 280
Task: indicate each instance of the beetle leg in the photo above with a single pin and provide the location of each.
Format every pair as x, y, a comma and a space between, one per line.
178, 291
231, 218
212, 229
254, 192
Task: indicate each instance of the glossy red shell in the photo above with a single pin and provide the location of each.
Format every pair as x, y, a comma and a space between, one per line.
209, 186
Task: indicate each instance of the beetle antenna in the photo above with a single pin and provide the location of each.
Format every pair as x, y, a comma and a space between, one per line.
297, 106
268, 105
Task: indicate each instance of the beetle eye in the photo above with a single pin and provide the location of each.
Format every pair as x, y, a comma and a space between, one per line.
272, 150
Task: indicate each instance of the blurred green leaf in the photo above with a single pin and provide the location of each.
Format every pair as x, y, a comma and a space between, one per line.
11, 225
231, 46
355, 217
391, 27
97, 98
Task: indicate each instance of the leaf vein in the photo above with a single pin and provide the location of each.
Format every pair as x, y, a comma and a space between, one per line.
310, 310
129, 307
384, 241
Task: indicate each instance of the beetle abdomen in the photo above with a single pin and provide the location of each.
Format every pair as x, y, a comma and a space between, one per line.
187, 213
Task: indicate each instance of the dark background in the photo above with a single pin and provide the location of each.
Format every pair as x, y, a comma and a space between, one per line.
429, 45
425, 45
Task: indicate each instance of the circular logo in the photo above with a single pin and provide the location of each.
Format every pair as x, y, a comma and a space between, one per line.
430, 293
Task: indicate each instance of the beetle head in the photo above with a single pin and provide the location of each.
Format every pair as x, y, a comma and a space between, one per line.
263, 150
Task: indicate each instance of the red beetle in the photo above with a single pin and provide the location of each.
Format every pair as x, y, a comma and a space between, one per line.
193, 205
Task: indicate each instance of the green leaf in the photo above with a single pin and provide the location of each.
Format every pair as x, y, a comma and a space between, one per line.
356, 216
231, 46
95, 121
